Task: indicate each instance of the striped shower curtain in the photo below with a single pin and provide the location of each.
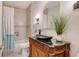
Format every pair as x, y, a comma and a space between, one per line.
8, 28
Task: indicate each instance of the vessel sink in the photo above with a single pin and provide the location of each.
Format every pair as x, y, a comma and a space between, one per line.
43, 37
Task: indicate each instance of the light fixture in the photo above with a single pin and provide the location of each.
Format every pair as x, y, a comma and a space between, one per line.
76, 5
37, 19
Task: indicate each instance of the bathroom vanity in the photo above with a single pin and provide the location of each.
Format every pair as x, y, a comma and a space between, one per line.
39, 48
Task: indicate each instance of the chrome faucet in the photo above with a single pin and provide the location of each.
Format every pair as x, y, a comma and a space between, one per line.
39, 31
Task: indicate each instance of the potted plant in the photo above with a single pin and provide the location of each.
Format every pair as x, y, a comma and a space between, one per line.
60, 26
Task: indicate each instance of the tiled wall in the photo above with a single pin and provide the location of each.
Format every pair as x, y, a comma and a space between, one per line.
20, 23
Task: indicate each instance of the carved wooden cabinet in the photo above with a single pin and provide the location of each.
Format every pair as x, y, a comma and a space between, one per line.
40, 49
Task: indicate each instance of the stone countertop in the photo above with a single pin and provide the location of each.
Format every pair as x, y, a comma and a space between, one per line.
53, 44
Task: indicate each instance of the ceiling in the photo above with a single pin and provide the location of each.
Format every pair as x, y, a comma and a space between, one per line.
17, 4
53, 4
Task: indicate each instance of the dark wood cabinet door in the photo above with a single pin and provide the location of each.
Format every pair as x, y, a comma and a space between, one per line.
41, 53
34, 51
38, 49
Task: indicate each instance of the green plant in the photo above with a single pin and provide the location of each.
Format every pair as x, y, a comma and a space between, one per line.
60, 24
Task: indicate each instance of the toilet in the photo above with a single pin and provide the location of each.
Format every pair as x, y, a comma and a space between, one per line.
22, 48
25, 49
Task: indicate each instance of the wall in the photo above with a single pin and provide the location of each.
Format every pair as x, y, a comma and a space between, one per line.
28, 21
66, 8
72, 32
20, 23
0, 22
53, 12
37, 11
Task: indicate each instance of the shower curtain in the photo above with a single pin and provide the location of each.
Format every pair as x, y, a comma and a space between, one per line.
8, 28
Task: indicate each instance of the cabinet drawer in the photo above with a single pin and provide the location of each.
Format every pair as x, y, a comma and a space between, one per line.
60, 55
58, 49
42, 47
57, 54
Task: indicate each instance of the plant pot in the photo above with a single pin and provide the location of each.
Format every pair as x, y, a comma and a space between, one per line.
59, 38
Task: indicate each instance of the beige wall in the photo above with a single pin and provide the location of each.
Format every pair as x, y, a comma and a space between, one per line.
72, 32
37, 11
20, 16
20, 23
52, 12
28, 21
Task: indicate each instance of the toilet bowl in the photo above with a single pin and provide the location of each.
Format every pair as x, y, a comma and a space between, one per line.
22, 48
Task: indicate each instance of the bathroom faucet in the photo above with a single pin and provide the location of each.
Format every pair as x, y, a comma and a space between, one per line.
39, 31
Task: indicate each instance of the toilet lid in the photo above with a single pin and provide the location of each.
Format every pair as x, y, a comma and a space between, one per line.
23, 44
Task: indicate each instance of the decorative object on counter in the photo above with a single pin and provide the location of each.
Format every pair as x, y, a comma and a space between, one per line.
60, 27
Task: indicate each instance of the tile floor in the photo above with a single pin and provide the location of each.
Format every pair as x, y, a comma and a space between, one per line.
21, 50
20, 53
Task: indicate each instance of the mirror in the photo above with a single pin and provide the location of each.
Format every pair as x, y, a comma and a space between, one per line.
51, 10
